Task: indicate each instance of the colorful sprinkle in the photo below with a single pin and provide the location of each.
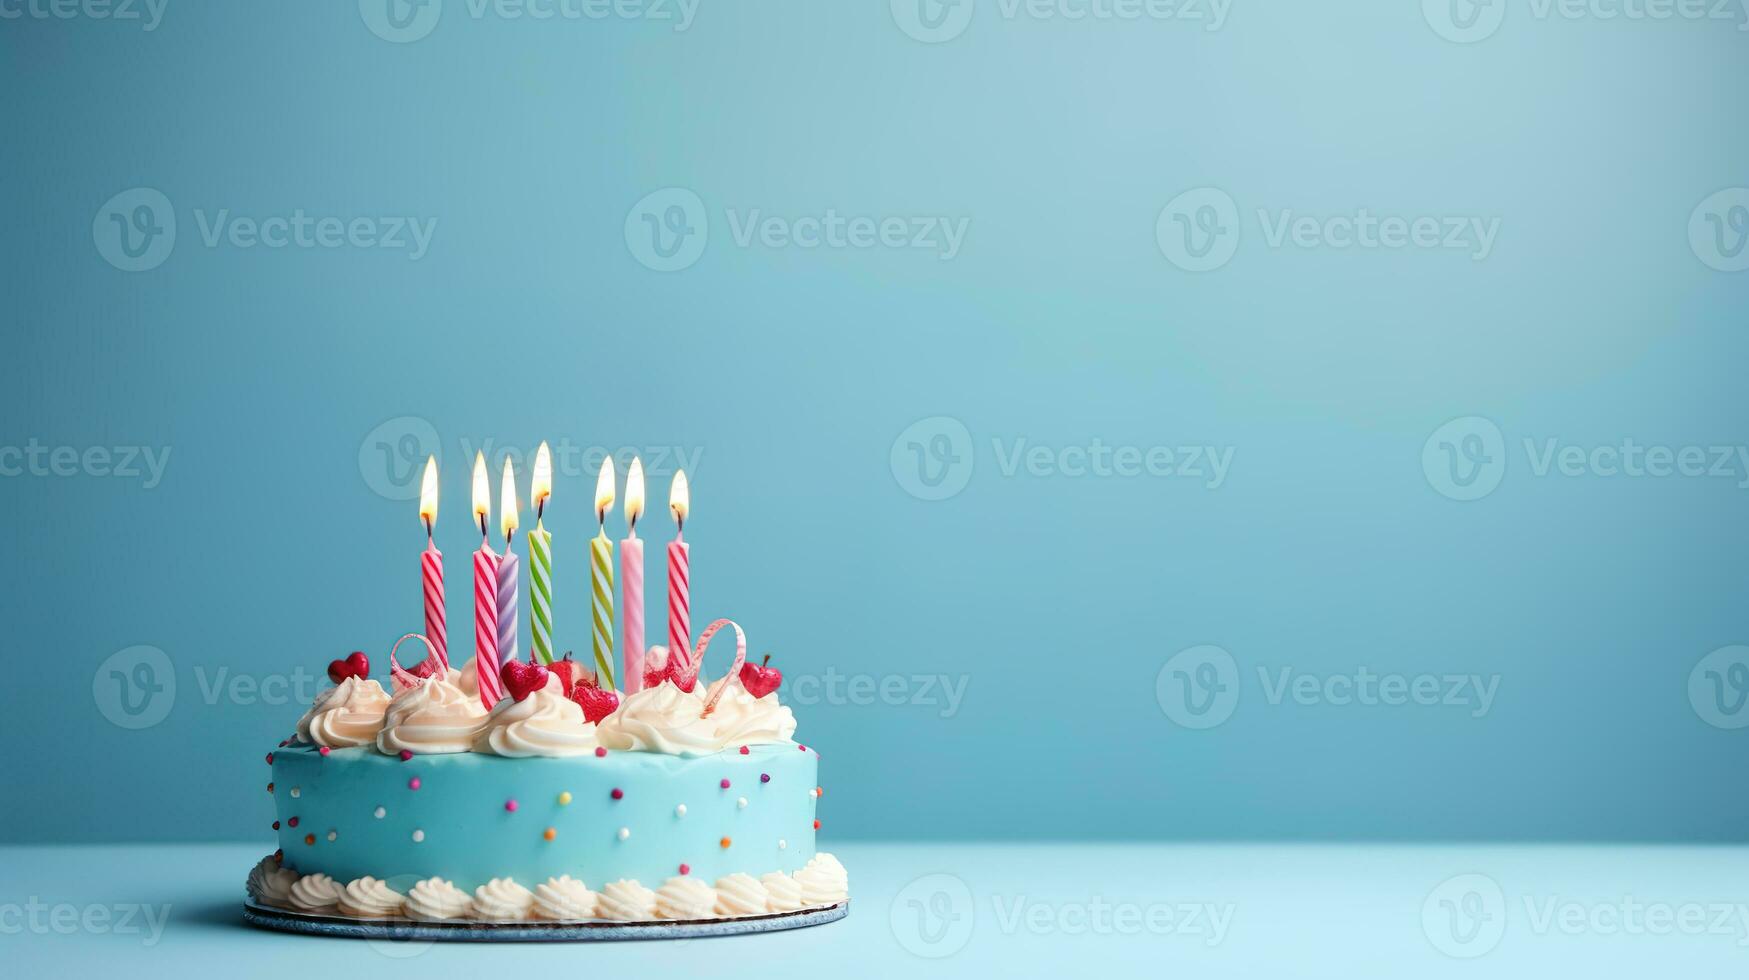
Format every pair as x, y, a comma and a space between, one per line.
765, 777
783, 845
323, 750
380, 812
742, 802
618, 794
413, 783
276, 825
270, 758
511, 805
270, 787
724, 784
625, 832
600, 752
816, 825
310, 839
819, 791
686, 869
406, 754
723, 843
680, 811
743, 750
418, 836
803, 748
549, 833
296, 792
293, 822
814, 793
565, 799
333, 834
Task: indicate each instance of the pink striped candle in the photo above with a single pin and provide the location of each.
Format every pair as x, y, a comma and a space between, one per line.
431, 570
679, 576
631, 577
486, 662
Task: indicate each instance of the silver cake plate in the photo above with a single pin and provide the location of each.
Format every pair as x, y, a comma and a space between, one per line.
410, 930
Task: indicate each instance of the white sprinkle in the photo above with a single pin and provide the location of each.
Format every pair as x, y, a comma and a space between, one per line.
380, 813
333, 834
418, 836
783, 845
813, 794
680, 811
742, 802
624, 832
296, 792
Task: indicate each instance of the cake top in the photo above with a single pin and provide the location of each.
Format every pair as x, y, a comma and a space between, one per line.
549, 710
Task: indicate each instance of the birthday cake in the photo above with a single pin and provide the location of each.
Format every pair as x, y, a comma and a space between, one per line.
540, 793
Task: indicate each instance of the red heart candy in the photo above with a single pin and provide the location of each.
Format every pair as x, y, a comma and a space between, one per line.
760, 679
522, 679
597, 702
570, 673
356, 665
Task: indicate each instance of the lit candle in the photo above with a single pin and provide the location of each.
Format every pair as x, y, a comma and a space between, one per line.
431, 567
509, 570
601, 575
540, 559
679, 575
631, 574
485, 594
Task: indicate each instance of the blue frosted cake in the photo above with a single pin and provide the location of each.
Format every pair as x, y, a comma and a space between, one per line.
563, 802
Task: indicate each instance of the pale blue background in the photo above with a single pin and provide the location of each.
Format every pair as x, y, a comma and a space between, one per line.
1056, 600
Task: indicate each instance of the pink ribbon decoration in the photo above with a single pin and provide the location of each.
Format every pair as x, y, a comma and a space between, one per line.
404, 678
704, 641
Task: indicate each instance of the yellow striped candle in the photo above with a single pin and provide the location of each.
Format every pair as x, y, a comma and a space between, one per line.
540, 560
601, 576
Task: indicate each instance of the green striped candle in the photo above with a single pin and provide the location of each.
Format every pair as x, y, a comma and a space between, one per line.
601, 585
540, 567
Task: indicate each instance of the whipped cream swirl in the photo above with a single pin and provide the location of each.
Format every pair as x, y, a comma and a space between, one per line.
315, 893
626, 901
661, 719
435, 898
823, 881
742, 719
563, 899
347, 714
685, 898
783, 894
502, 900
546, 723
369, 898
270, 884
741, 894
435, 716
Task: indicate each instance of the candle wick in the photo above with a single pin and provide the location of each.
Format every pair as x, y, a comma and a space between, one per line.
540, 510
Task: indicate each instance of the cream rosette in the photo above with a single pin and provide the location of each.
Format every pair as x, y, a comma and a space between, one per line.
270, 884
564, 899
546, 723
370, 898
823, 881
502, 900
432, 716
742, 894
349, 713
686, 898
626, 901
742, 719
782, 892
437, 899
661, 719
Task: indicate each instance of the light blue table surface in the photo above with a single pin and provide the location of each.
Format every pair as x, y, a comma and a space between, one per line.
983, 910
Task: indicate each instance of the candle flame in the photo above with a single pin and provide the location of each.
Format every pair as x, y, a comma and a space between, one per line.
604, 490
428, 492
634, 492
543, 476
482, 491
507, 521
680, 498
